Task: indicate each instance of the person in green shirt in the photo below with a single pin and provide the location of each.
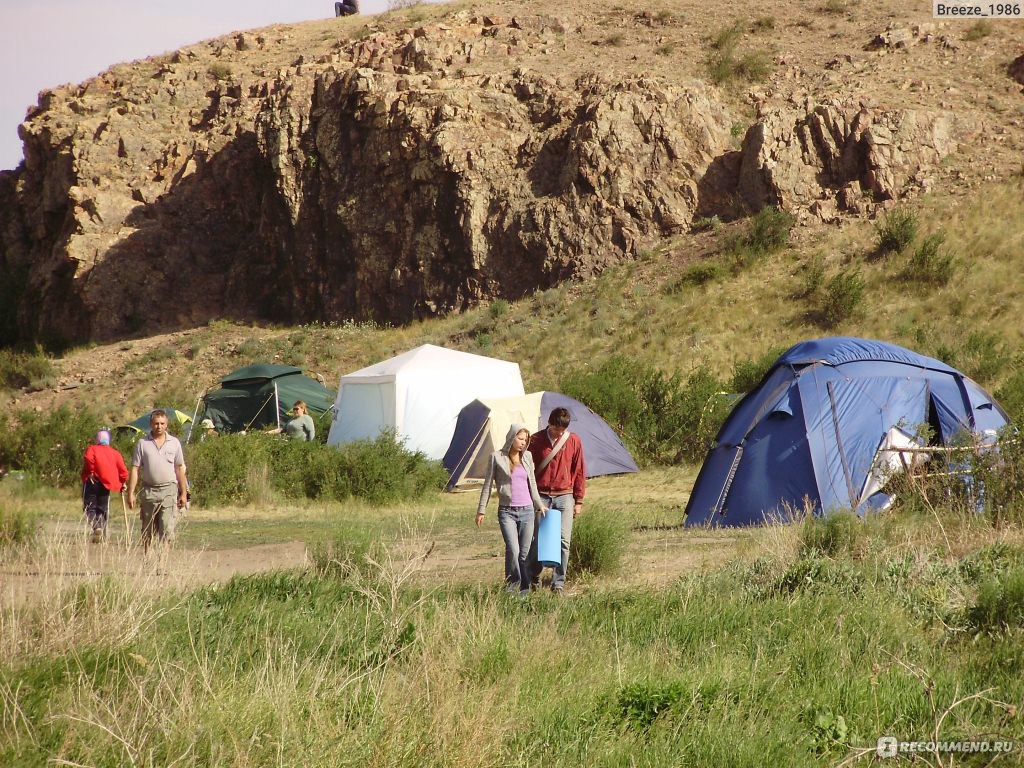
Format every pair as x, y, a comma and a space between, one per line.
300, 426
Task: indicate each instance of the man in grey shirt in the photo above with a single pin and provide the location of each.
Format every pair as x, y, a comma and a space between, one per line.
162, 463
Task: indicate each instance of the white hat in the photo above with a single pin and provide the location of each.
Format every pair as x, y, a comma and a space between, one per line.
207, 424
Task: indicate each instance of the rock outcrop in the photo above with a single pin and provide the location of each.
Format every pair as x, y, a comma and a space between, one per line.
376, 182
830, 158
393, 175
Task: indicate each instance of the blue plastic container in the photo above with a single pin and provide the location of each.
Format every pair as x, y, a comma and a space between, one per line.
549, 539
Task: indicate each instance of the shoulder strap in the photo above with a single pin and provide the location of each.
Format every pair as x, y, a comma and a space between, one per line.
559, 444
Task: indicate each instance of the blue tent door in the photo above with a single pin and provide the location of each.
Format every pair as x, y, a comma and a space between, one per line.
860, 412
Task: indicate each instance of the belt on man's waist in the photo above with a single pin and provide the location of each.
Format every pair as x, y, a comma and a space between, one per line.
554, 493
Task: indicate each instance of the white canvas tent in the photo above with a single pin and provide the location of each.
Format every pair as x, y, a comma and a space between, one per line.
418, 395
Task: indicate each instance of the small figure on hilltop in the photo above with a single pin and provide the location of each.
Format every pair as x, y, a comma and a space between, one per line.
103, 471
300, 426
562, 482
161, 460
512, 469
346, 8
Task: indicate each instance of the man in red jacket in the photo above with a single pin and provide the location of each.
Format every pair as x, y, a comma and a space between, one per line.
102, 472
561, 482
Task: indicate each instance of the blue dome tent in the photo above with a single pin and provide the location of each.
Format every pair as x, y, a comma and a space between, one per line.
817, 428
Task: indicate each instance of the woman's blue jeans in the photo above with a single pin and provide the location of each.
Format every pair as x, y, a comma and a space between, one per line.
516, 525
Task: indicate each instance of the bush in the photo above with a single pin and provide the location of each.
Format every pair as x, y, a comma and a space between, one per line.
747, 374
662, 418
978, 30
48, 445
726, 64
814, 276
347, 552
836, 534
640, 704
1011, 395
1000, 604
24, 369
982, 355
896, 232
16, 525
699, 274
222, 470
844, 297
768, 230
929, 264
599, 538
498, 309
219, 70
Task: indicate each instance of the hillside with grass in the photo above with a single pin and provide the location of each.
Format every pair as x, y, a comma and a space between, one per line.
327, 606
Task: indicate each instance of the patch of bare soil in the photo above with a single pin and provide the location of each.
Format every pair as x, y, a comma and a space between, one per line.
655, 557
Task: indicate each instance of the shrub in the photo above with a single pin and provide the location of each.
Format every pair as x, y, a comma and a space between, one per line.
725, 63
768, 230
219, 70
698, 274
48, 445
498, 309
896, 231
814, 275
640, 704
1011, 395
24, 369
982, 355
844, 297
348, 551
834, 535
599, 538
978, 30
662, 418
1000, 604
748, 373
17, 526
929, 264
381, 471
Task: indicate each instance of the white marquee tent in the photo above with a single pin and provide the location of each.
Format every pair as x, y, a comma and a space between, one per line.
418, 395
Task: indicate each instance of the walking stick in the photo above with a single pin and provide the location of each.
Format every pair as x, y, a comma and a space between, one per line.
127, 527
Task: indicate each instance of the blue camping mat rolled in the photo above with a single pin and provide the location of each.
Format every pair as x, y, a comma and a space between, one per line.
549, 539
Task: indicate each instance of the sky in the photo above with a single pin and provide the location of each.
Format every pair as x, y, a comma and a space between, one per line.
45, 43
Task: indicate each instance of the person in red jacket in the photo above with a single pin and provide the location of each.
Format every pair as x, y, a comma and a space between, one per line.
561, 481
102, 472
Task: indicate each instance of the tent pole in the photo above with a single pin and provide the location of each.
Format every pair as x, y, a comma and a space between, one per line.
277, 406
253, 419
195, 415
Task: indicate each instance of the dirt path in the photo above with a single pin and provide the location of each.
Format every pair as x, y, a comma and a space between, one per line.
654, 557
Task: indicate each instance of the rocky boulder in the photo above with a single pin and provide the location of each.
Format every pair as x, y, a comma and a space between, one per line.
811, 160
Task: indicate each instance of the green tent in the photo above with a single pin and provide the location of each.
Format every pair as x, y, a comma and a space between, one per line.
260, 396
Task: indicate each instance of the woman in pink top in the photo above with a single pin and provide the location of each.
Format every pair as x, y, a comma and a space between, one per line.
511, 469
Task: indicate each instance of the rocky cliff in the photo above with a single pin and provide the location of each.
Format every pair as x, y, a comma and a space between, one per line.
393, 171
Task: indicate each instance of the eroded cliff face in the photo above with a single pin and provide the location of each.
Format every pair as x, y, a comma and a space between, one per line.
374, 182
405, 174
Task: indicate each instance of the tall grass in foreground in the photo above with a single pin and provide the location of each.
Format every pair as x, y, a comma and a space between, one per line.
800, 653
